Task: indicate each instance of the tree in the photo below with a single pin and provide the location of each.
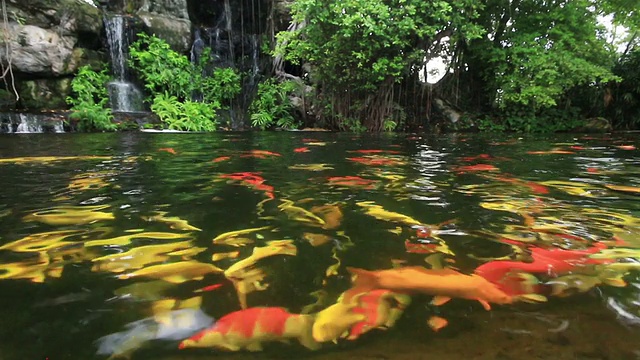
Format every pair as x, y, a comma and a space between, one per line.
360, 50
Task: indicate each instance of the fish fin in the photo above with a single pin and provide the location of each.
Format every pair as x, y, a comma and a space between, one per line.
531, 298
436, 323
617, 282
365, 280
253, 347
439, 300
485, 304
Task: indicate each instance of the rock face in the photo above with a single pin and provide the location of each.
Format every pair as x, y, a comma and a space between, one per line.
167, 19
46, 42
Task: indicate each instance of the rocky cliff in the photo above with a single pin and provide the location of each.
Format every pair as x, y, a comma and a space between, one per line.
44, 42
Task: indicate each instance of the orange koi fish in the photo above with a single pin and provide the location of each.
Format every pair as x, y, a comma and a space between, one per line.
444, 284
545, 261
354, 181
477, 167
249, 328
260, 154
301, 150
375, 161
554, 151
221, 158
169, 150
376, 151
532, 185
254, 180
381, 307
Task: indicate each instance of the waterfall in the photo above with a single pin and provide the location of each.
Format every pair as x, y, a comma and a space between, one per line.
232, 29
124, 96
22, 123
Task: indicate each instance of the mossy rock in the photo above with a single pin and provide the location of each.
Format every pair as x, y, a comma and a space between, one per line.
44, 94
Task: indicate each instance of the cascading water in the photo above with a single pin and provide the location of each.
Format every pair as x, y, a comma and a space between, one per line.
232, 29
123, 95
23, 123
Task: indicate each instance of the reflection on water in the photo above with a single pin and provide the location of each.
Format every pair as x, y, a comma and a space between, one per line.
353, 246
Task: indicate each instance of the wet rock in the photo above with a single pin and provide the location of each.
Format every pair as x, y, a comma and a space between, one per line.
44, 94
38, 51
175, 31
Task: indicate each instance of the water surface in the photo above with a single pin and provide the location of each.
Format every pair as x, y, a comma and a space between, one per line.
85, 221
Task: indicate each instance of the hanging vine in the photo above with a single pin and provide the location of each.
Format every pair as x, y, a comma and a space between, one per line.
7, 68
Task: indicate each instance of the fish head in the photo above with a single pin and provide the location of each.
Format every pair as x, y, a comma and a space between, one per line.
490, 292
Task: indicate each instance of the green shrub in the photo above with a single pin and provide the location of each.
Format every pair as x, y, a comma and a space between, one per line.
188, 115
272, 106
89, 106
172, 81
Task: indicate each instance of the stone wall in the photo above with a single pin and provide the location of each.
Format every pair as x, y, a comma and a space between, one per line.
45, 42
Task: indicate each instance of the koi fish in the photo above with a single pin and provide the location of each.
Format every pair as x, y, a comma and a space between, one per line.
376, 151
381, 308
625, 189
301, 149
260, 154
246, 278
477, 167
249, 328
352, 181
169, 150
300, 214
554, 151
551, 262
335, 321
175, 273
376, 161
223, 238
175, 325
443, 284
532, 185
381, 213
254, 180
174, 222
221, 158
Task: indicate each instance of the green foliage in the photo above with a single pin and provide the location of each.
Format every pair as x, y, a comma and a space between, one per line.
172, 81
537, 51
359, 49
89, 106
272, 106
187, 116
624, 108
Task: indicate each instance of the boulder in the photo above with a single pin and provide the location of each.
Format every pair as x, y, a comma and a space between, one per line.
44, 94
170, 8
69, 17
38, 51
175, 31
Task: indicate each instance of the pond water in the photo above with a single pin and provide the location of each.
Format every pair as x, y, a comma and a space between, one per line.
128, 243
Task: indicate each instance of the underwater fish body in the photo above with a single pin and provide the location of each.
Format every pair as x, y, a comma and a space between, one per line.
552, 262
381, 307
175, 325
444, 284
249, 328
